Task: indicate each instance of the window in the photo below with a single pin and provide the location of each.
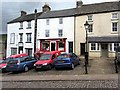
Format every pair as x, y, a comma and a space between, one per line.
114, 15
29, 51
60, 33
90, 18
90, 29
13, 51
21, 25
60, 20
60, 45
47, 21
114, 26
28, 37
95, 46
46, 33
21, 37
12, 38
29, 25
115, 46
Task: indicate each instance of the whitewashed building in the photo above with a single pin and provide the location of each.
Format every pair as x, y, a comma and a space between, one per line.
20, 34
55, 30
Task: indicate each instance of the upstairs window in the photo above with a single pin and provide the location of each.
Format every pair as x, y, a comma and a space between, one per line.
60, 20
21, 37
46, 33
12, 38
29, 25
28, 37
114, 15
114, 27
90, 18
60, 33
47, 21
21, 25
90, 29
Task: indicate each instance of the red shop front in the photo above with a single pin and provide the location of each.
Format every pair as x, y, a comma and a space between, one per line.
58, 44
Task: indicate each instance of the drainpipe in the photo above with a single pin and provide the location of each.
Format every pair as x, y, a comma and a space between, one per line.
35, 31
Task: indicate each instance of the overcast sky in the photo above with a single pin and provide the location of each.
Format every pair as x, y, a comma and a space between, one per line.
11, 10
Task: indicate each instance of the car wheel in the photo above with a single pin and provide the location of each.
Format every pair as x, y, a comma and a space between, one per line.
56, 68
26, 68
72, 66
50, 67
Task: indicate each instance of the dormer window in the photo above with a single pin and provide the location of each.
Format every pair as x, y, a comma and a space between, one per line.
21, 25
114, 15
29, 25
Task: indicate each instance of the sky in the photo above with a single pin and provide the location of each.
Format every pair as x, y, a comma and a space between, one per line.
12, 9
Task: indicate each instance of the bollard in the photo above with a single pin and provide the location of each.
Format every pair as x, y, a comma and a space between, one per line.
116, 68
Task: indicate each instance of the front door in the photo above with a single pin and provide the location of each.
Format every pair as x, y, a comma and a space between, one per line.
52, 46
82, 48
104, 50
70, 47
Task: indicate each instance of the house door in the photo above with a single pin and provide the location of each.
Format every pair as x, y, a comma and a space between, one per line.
70, 47
52, 46
82, 48
104, 50
20, 50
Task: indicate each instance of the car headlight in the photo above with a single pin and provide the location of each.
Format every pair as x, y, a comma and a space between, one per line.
45, 64
34, 64
4, 67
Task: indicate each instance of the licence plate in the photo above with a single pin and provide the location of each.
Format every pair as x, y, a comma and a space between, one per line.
61, 61
38, 66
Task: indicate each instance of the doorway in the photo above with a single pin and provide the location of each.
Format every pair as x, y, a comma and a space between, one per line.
70, 47
82, 48
104, 50
52, 46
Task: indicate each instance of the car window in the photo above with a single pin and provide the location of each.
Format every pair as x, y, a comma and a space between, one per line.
53, 56
14, 61
62, 56
45, 57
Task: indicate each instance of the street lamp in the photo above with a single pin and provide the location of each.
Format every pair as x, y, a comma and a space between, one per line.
86, 49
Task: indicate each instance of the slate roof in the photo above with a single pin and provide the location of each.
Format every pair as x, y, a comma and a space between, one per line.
104, 39
84, 9
27, 17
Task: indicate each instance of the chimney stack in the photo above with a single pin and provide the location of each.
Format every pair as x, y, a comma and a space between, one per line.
46, 8
23, 13
79, 3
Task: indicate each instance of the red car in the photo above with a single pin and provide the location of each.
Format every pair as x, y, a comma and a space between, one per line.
46, 60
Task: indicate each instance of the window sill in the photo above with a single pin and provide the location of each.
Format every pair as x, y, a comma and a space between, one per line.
20, 28
114, 32
28, 28
28, 42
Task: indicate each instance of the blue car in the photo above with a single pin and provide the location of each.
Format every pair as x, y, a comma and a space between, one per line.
21, 64
67, 60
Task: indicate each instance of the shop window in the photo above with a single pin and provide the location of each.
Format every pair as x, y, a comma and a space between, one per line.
45, 46
60, 45
29, 51
95, 47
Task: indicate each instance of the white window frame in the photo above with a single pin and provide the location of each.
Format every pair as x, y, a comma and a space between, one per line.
21, 37
90, 17
114, 15
21, 25
12, 38
96, 46
112, 46
60, 20
90, 29
60, 32
29, 24
47, 33
47, 21
29, 37
114, 27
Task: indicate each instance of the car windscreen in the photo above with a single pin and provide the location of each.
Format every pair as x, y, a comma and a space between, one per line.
1, 61
62, 56
45, 57
13, 61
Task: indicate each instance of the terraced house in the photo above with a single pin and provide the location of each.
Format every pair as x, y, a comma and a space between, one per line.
104, 29
64, 30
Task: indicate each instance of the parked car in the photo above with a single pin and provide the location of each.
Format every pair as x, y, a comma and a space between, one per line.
67, 60
46, 60
3, 64
21, 64
18, 55
118, 54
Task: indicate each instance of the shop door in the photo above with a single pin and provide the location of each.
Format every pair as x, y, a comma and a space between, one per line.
52, 46
104, 50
